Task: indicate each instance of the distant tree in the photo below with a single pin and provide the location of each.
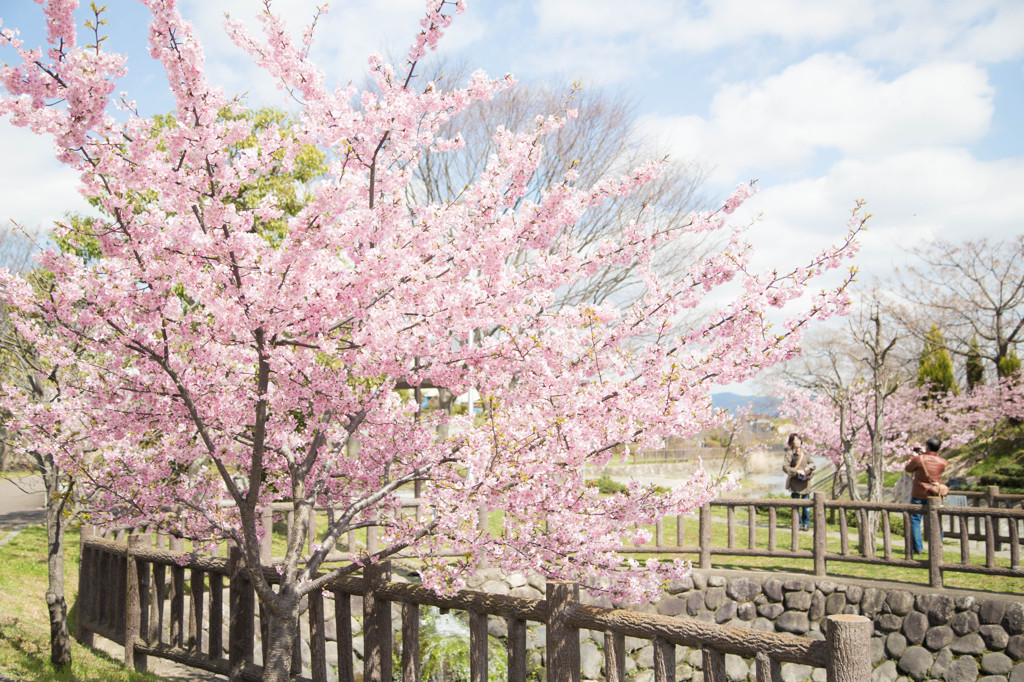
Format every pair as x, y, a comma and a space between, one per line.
934, 368
603, 142
973, 367
1009, 364
972, 290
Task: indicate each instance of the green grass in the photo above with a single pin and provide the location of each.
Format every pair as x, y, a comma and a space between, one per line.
24, 623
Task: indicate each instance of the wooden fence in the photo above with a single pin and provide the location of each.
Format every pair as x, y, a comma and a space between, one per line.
994, 522
135, 594
992, 527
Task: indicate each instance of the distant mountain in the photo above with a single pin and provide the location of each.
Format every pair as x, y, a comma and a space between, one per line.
759, 404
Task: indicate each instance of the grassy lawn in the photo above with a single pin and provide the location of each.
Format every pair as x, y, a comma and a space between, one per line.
24, 623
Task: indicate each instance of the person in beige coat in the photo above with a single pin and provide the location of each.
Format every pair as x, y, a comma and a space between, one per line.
799, 468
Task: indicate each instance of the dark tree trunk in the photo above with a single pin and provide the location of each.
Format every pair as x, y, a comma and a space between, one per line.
282, 633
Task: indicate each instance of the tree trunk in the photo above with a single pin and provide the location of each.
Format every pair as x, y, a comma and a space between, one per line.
56, 524
282, 635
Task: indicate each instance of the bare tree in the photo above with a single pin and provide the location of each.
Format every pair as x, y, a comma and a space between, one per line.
864, 362
603, 140
970, 290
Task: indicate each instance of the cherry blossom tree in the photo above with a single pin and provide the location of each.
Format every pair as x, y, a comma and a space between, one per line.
208, 369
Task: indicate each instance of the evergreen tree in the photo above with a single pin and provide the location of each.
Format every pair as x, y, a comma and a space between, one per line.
1009, 364
975, 370
935, 369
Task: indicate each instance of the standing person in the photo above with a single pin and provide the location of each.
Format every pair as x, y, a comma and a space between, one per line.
798, 468
927, 468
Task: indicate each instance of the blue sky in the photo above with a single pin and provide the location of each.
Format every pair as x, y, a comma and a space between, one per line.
914, 106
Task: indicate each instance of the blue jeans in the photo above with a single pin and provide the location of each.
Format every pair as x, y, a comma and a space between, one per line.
915, 526
805, 512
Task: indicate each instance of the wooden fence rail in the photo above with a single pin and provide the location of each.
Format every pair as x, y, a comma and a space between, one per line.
125, 595
939, 523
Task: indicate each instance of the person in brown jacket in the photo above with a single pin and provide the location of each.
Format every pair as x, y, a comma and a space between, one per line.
927, 468
798, 468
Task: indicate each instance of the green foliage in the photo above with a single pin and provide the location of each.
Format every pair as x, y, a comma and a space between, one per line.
606, 485
285, 184
444, 650
934, 367
1009, 364
1010, 479
973, 367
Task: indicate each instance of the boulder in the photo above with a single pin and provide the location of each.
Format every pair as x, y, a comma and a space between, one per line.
971, 644
817, 608
1015, 647
915, 627
885, 673
964, 669
591, 660
736, 669
941, 609
871, 602
771, 611
694, 603
746, 611
996, 663
672, 606
964, 623
888, 622
895, 645
725, 612
900, 602
827, 587
772, 588
714, 597
915, 662
797, 601
939, 638
991, 611
834, 603
1013, 620
942, 661
742, 589
966, 603
1018, 673
995, 636
794, 622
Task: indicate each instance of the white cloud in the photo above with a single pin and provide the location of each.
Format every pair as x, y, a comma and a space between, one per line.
914, 196
37, 189
830, 103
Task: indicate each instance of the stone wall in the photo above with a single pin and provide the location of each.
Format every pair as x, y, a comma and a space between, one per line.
919, 634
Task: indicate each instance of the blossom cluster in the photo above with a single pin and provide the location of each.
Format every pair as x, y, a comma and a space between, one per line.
207, 371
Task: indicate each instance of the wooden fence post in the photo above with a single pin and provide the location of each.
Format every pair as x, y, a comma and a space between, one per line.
849, 648
992, 501
563, 640
820, 533
86, 570
705, 535
133, 608
241, 615
934, 543
376, 624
